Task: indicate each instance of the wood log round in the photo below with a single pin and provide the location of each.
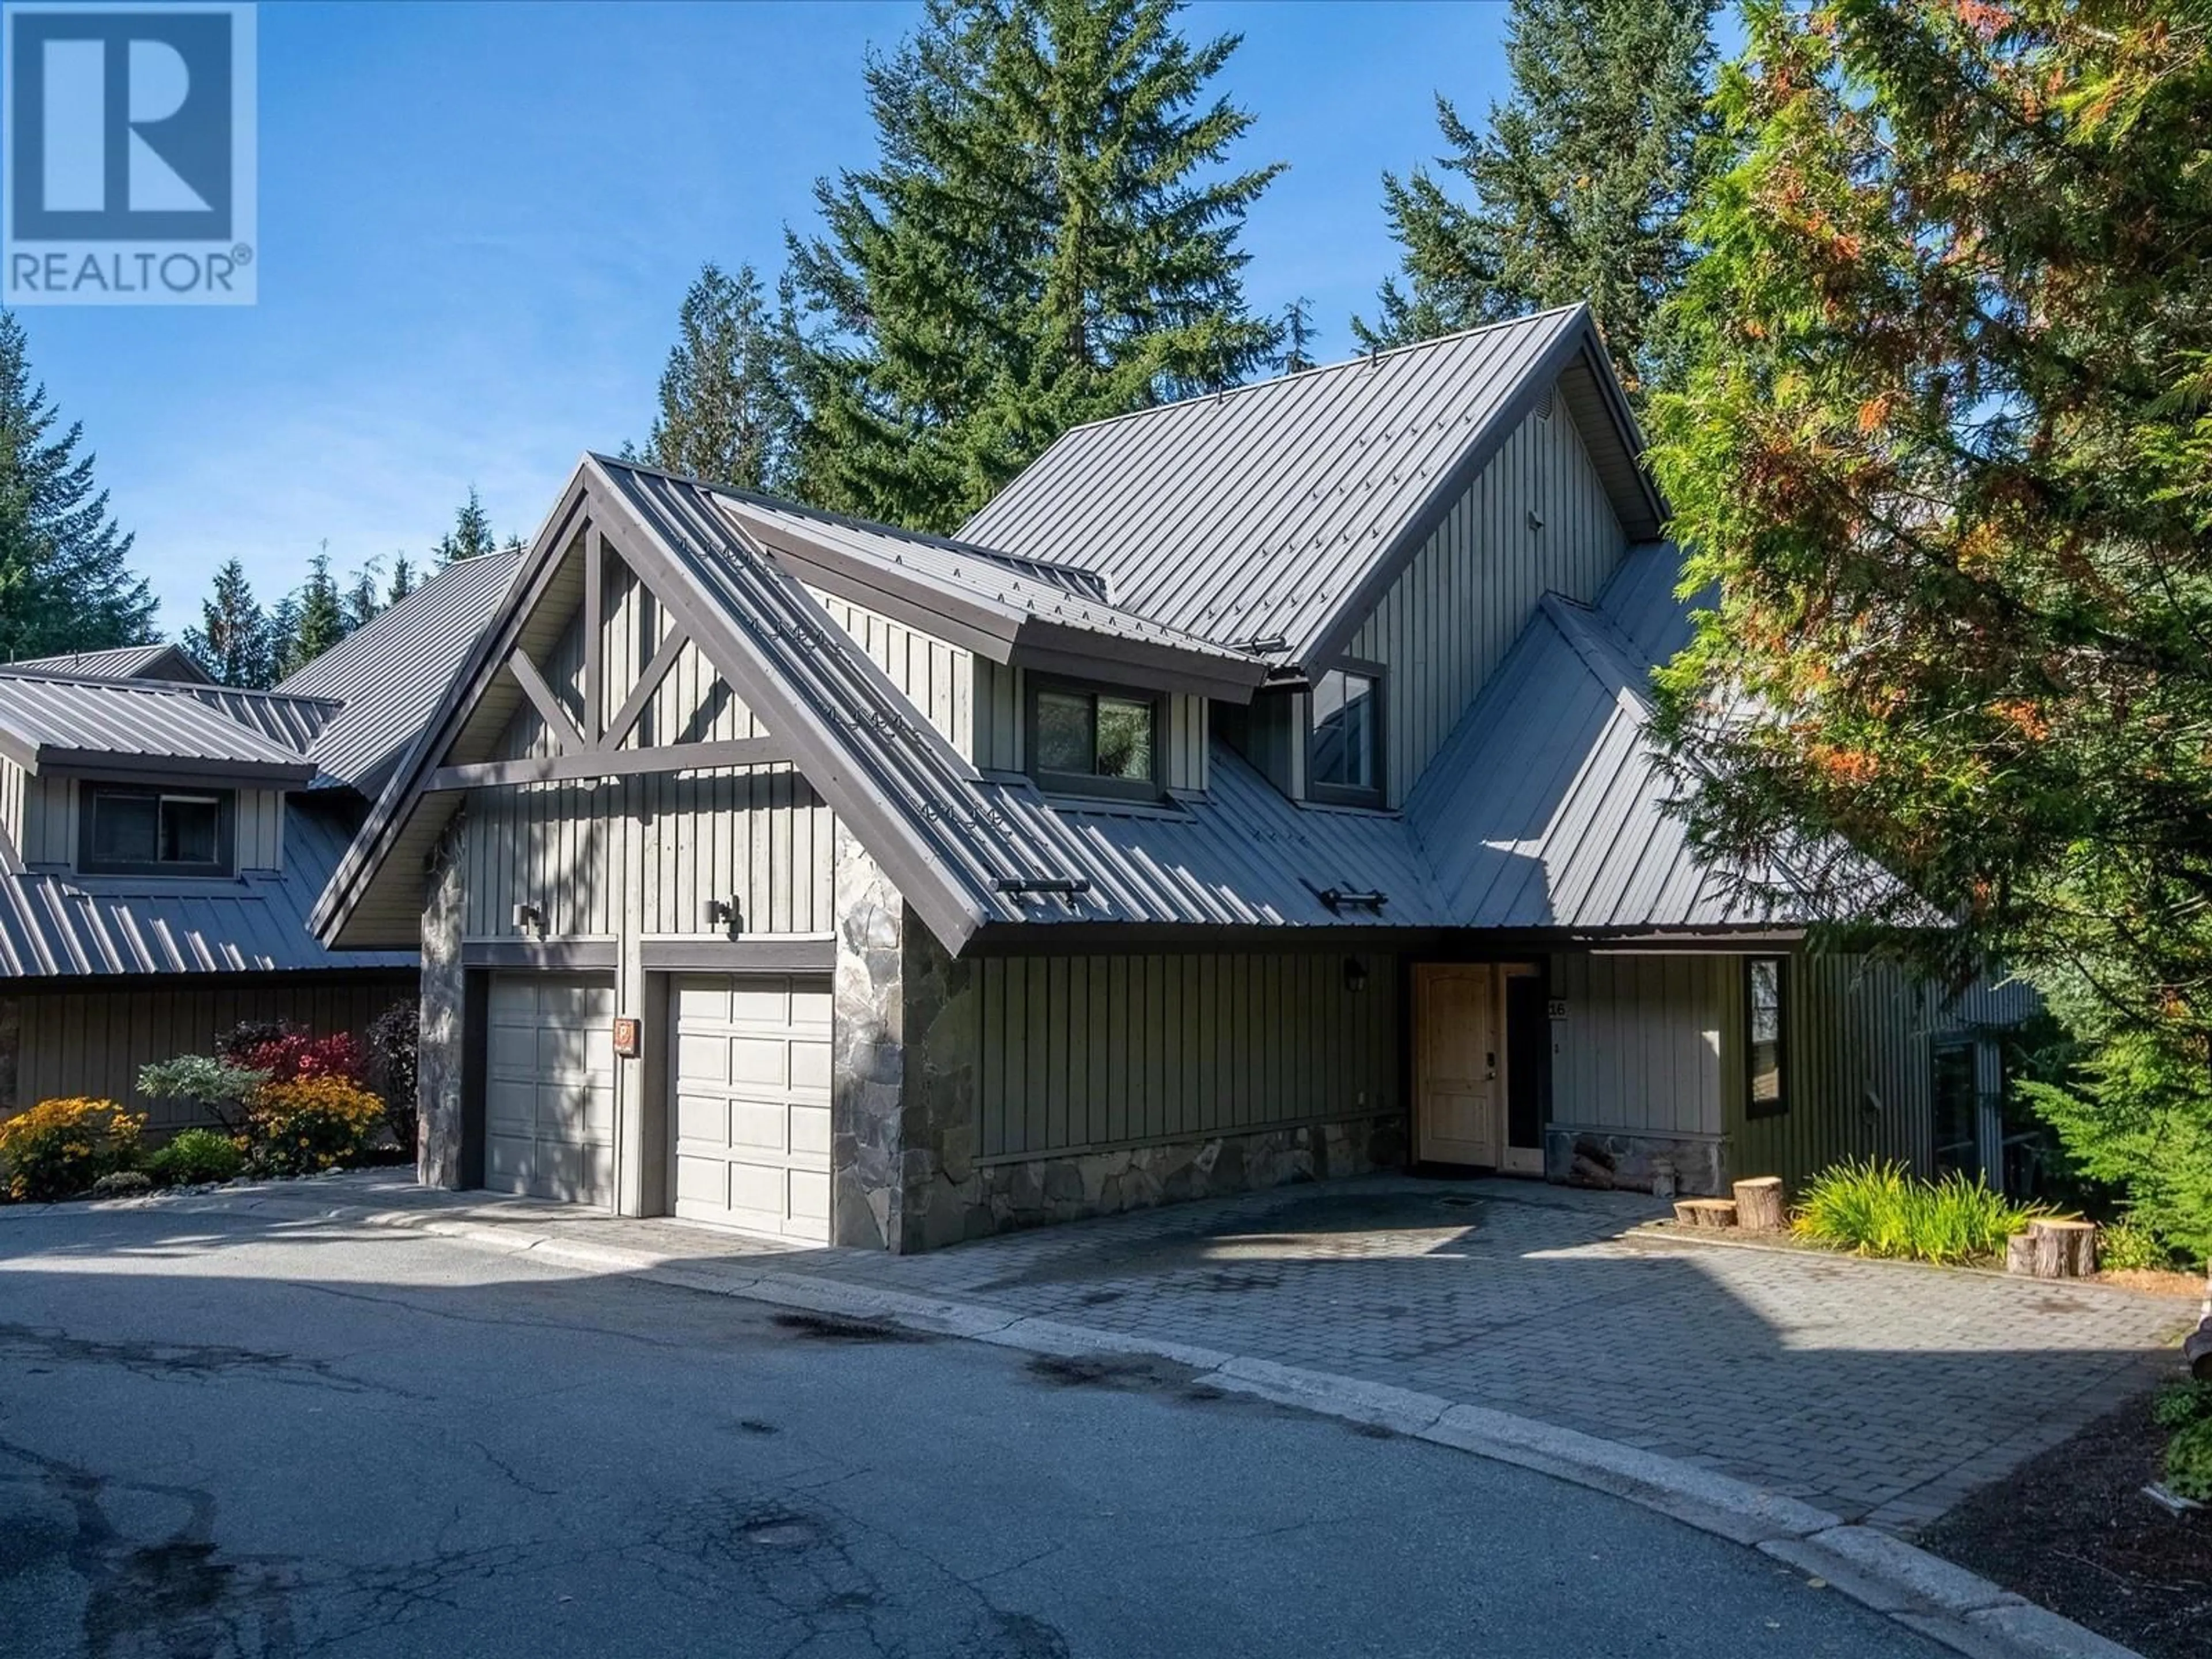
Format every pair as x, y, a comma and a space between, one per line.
2020, 1254
2196, 1352
1705, 1212
1759, 1203
2063, 1249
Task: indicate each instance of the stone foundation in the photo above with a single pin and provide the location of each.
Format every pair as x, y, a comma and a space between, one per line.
1593, 1157
443, 1044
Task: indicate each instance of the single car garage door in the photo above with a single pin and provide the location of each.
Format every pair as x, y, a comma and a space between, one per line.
750, 1118
550, 1088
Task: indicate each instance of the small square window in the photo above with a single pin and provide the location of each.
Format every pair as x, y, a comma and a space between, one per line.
1094, 742
1766, 1047
152, 832
1346, 755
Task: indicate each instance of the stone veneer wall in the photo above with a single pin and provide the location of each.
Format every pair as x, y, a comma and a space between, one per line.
1607, 1157
443, 1047
905, 1175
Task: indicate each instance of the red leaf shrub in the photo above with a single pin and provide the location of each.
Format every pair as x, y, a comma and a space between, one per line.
288, 1054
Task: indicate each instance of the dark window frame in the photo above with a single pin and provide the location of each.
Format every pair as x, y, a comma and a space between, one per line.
1753, 1106
1345, 794
226, 831
1152, 786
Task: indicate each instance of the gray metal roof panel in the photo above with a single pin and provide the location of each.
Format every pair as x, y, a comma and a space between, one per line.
1268, 510
132, 719
159, 659
61, 926
391, 674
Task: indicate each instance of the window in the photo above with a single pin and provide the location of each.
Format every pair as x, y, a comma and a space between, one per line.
1094, 742
1345, 757
1765, 1050
154, 832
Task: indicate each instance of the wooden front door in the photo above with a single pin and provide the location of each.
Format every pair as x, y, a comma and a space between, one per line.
1456, 1053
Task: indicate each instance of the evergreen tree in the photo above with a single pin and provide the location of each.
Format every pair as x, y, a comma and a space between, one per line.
232, 641
403, 579
283, 629
1298, 337
64, 581
1046, 237
318, 617
361, 603
727, 411
1942, 445
470, 536
1578, 191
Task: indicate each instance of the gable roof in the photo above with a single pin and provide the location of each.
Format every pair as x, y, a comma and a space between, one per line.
1585, 834
1282, 511
121, 727
158, 660
389, 674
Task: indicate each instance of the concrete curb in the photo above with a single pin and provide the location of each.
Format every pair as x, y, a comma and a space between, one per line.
1928, 1595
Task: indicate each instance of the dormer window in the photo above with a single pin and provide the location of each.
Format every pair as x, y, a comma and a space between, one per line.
1091, 740
1345, 759
134, 831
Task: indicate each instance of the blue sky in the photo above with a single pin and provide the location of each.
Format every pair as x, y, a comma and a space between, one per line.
477, 221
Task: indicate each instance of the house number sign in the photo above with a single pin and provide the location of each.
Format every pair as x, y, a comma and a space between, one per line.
627, 1046
1556, 1009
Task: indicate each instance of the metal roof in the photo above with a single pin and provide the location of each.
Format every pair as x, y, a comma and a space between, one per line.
1280, 511
135, 727
391, 672
1549, 815
61, 926
159, 660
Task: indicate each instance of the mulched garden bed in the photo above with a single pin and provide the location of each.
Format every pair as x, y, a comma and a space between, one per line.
2072, 1530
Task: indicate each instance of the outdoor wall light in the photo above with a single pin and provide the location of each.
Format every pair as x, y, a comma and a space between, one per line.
715, 913
528, 919
1355, 973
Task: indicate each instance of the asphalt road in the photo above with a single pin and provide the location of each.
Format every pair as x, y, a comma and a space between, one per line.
239, 1436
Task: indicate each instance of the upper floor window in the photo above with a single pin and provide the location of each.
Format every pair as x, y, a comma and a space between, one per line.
1088, 740
138, 831
1765, 1033
1345, 761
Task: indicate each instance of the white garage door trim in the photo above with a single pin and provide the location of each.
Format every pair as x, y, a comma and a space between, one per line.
749, 1109
549, 1087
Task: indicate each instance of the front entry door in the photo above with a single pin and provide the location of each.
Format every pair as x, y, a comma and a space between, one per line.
1455, 1047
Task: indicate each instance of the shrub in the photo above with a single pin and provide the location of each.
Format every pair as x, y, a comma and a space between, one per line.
2128, 1243
122, 1183
2189, 1461
311, 1123
59, 1147
2180, 1404
394, 1045
217, 1087
287, 1053
1885, 1209
195, 1157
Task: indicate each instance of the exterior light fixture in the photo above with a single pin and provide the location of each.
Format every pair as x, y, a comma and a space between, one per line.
528, 919
715, 913
1355, 973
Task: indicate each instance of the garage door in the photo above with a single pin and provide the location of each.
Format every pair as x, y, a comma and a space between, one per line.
550, 1088
751, 1123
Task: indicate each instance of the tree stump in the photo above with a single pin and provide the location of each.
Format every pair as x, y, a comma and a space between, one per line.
2197, 1351
1705, 1212
1759, 1203
2053, 1249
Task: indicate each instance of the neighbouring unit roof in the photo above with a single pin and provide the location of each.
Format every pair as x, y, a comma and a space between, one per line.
156, 661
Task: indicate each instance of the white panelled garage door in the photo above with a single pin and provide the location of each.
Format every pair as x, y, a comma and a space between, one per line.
550, 1088
750, 1118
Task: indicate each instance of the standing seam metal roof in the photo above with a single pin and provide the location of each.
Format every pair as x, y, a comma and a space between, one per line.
122, 662
129, 719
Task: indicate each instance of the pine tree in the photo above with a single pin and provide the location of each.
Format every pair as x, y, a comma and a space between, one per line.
726, 410
1578, 191
361, 603
1048, 236
233, 643
1299, 333
64, 581
403, 579
318, 617
470, 537
1940, 448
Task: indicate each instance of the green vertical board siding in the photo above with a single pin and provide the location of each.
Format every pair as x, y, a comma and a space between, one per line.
1450, 617
1641, 1049
1114, 1049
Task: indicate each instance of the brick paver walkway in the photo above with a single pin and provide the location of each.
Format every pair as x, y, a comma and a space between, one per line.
1878, 1390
